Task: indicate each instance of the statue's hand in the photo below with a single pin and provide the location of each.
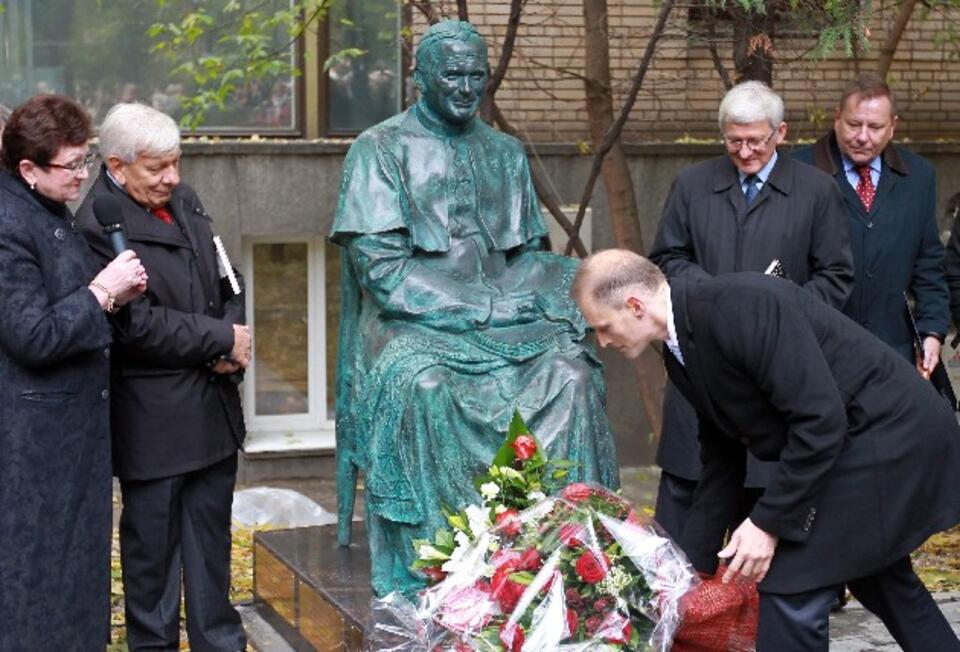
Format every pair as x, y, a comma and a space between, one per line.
517, 308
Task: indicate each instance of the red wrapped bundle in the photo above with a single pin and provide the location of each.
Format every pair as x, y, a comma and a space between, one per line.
718, 617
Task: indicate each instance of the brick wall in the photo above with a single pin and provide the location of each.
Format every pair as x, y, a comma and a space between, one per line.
543, 96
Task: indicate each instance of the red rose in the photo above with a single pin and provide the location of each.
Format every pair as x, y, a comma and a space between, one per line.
434, 574
512, 636
524, 447
504, 590
508, 522
530, 560
615, 628
573, 621
592, 566
572, 534
592, 623
573, 597
576, 492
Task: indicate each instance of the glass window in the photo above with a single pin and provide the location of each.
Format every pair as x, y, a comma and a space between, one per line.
293, 307
363, 84
280, 284
100, 53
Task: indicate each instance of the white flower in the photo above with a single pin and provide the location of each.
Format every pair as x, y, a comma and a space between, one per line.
500, 508
511, 474
489, 490
536, 496
428, 552
479, 518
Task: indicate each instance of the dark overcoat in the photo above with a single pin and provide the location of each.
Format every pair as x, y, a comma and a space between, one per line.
55, 487
170, 414
867, 453
896, 245
707, 229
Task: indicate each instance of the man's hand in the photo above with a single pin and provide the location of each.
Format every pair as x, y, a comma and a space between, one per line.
225, 367
931, 356
752, 551
241, 346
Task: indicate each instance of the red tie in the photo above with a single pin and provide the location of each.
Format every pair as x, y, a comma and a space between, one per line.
865, 188
164, 215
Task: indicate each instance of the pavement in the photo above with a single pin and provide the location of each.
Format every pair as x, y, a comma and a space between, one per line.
853, 629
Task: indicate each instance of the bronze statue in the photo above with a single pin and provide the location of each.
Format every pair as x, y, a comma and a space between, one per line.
451, 314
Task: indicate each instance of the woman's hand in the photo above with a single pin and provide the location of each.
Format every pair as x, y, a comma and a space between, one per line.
122, 280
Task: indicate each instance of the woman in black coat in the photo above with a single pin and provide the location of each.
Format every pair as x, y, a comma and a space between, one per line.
55, 486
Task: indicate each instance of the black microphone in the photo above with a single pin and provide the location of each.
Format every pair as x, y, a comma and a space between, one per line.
109, 214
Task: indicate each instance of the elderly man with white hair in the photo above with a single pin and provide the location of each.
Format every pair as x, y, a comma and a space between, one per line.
740, 212
176, 419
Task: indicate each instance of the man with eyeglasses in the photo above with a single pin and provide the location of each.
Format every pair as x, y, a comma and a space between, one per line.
890, 200
735, 213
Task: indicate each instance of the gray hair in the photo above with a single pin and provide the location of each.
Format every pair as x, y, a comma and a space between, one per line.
608, 276
132, 129
751, 101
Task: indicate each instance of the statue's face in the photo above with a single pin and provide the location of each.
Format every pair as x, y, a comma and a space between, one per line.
452, 84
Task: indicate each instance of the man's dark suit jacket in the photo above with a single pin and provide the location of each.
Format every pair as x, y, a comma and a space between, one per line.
867, 453
169, 413
896, 245
707, 229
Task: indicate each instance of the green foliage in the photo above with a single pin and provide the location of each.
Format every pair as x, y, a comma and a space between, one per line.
218, 51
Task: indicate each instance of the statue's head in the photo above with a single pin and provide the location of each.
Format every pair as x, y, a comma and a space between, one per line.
452, 70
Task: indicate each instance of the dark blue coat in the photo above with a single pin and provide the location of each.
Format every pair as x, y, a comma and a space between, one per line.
55, 486
896, 246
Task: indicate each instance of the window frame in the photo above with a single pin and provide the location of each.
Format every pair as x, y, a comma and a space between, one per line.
314, 429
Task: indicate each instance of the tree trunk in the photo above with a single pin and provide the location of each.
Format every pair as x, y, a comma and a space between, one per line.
753, 44
890, 44
618, 183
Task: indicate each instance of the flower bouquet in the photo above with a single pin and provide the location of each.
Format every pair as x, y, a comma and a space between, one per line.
577, 570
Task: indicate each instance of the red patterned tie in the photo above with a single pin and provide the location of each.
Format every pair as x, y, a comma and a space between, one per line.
865, 188
164, 215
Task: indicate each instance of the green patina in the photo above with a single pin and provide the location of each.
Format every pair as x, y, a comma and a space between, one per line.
451, 314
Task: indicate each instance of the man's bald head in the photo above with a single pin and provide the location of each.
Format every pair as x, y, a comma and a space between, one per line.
607, 277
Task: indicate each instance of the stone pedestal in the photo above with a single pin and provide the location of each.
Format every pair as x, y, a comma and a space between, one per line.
314, 592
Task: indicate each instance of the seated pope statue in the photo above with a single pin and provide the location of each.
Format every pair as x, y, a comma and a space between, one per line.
451, 315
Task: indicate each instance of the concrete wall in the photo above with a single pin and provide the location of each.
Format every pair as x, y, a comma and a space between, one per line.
290, 188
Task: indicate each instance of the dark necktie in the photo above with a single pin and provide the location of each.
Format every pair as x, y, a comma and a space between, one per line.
751, 188
865, 188
163, 215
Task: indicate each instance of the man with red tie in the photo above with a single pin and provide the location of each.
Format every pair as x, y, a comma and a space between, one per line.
890, 195
175, 413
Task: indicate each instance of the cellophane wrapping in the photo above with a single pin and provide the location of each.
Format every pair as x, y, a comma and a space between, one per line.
580, 570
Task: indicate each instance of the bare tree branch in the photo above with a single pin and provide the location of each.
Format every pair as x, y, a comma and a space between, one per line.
613, 133
889, 47
714, 54
426, 8
506, 53
543, 193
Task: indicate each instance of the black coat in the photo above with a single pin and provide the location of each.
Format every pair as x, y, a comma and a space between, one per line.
706, 229
55, 487
868, 454
170, 414
896, 246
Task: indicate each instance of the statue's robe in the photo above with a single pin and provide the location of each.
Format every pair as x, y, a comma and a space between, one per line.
441, 269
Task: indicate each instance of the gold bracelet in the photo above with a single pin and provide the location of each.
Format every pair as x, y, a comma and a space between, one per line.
111, 306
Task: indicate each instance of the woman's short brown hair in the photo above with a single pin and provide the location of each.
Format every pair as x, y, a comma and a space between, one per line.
39, 127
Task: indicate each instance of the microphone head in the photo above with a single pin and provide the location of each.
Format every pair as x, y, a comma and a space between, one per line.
109, 213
